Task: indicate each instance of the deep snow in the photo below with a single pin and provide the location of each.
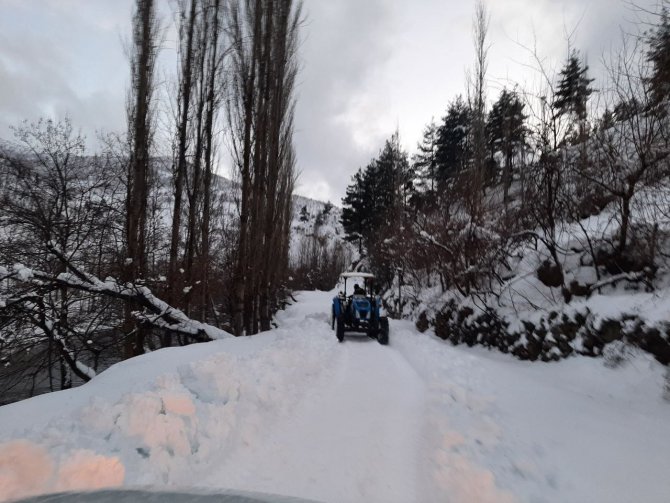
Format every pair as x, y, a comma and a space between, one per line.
293, 412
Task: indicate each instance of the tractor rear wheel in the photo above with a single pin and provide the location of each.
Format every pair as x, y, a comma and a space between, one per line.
383, 334
339, 328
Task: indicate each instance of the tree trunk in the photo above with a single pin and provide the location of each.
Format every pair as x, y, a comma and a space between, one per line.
179, 176
247, 68
212, 103
625, 219
138, 171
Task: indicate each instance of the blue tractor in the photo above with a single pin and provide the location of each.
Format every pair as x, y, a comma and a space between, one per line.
359, 310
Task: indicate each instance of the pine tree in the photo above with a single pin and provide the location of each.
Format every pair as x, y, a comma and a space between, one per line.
506, 131
378, 197
392, 181
659, 57
425, 160
454, 149
607, 120
574, 88
354, 214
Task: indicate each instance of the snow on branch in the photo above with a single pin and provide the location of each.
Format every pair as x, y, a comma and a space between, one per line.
624, 276
430, 239
155, 312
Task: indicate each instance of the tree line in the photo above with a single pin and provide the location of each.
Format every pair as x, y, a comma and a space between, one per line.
141, 245
487, 179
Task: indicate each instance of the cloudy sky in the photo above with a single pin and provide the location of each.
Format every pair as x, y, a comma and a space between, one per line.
368, 66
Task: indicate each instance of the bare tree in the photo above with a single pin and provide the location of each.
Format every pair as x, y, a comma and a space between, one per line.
140, 132
264, 42
632, 153
187, 20
56, 198
477, 93
213, 101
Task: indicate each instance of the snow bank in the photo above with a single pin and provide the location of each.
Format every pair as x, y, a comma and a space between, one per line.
27, 469
505, 430
162, 419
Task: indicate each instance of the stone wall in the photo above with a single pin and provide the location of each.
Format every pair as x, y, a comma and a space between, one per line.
555, 336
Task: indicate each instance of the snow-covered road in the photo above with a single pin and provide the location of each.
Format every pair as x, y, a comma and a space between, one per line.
355, 435
293, 412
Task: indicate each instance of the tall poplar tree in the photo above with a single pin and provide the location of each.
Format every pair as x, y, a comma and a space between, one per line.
140, 133
264, 38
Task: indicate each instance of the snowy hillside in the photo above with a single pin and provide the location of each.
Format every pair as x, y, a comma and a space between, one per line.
535, 310
310, 218
293, 412
322, 215
318, 251
314, 218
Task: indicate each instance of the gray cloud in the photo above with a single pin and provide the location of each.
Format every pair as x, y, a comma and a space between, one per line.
59, 58
345, 43
368, 66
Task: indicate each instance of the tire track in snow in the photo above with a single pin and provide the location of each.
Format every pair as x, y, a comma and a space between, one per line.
355, 436
457, 422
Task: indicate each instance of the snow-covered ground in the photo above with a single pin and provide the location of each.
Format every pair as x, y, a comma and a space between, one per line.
293, 412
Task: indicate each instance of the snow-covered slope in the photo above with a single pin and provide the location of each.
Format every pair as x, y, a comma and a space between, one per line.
318, 219
597, 299
293, 412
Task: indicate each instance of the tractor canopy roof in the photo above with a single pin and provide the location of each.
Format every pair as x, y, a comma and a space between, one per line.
364, 275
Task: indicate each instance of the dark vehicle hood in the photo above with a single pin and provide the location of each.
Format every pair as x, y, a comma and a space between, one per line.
150, 496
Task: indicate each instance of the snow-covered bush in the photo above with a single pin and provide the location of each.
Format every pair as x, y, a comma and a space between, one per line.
618, 353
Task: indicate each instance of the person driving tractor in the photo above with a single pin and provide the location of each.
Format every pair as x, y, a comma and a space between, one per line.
359, 310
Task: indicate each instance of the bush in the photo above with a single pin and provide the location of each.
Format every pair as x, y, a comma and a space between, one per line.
550, 274
555, 336
618, 353
422, 323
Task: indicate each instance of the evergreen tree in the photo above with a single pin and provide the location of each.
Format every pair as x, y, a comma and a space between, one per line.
506, 131
454, 149
574, 88
626, 109
378, 196
391, 181
659, 56
354, 210
425, 160
607, 120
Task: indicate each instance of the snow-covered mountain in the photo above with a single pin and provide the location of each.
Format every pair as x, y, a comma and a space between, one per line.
312, 218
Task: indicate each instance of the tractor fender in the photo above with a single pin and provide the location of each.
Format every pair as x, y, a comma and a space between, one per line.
337, 309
